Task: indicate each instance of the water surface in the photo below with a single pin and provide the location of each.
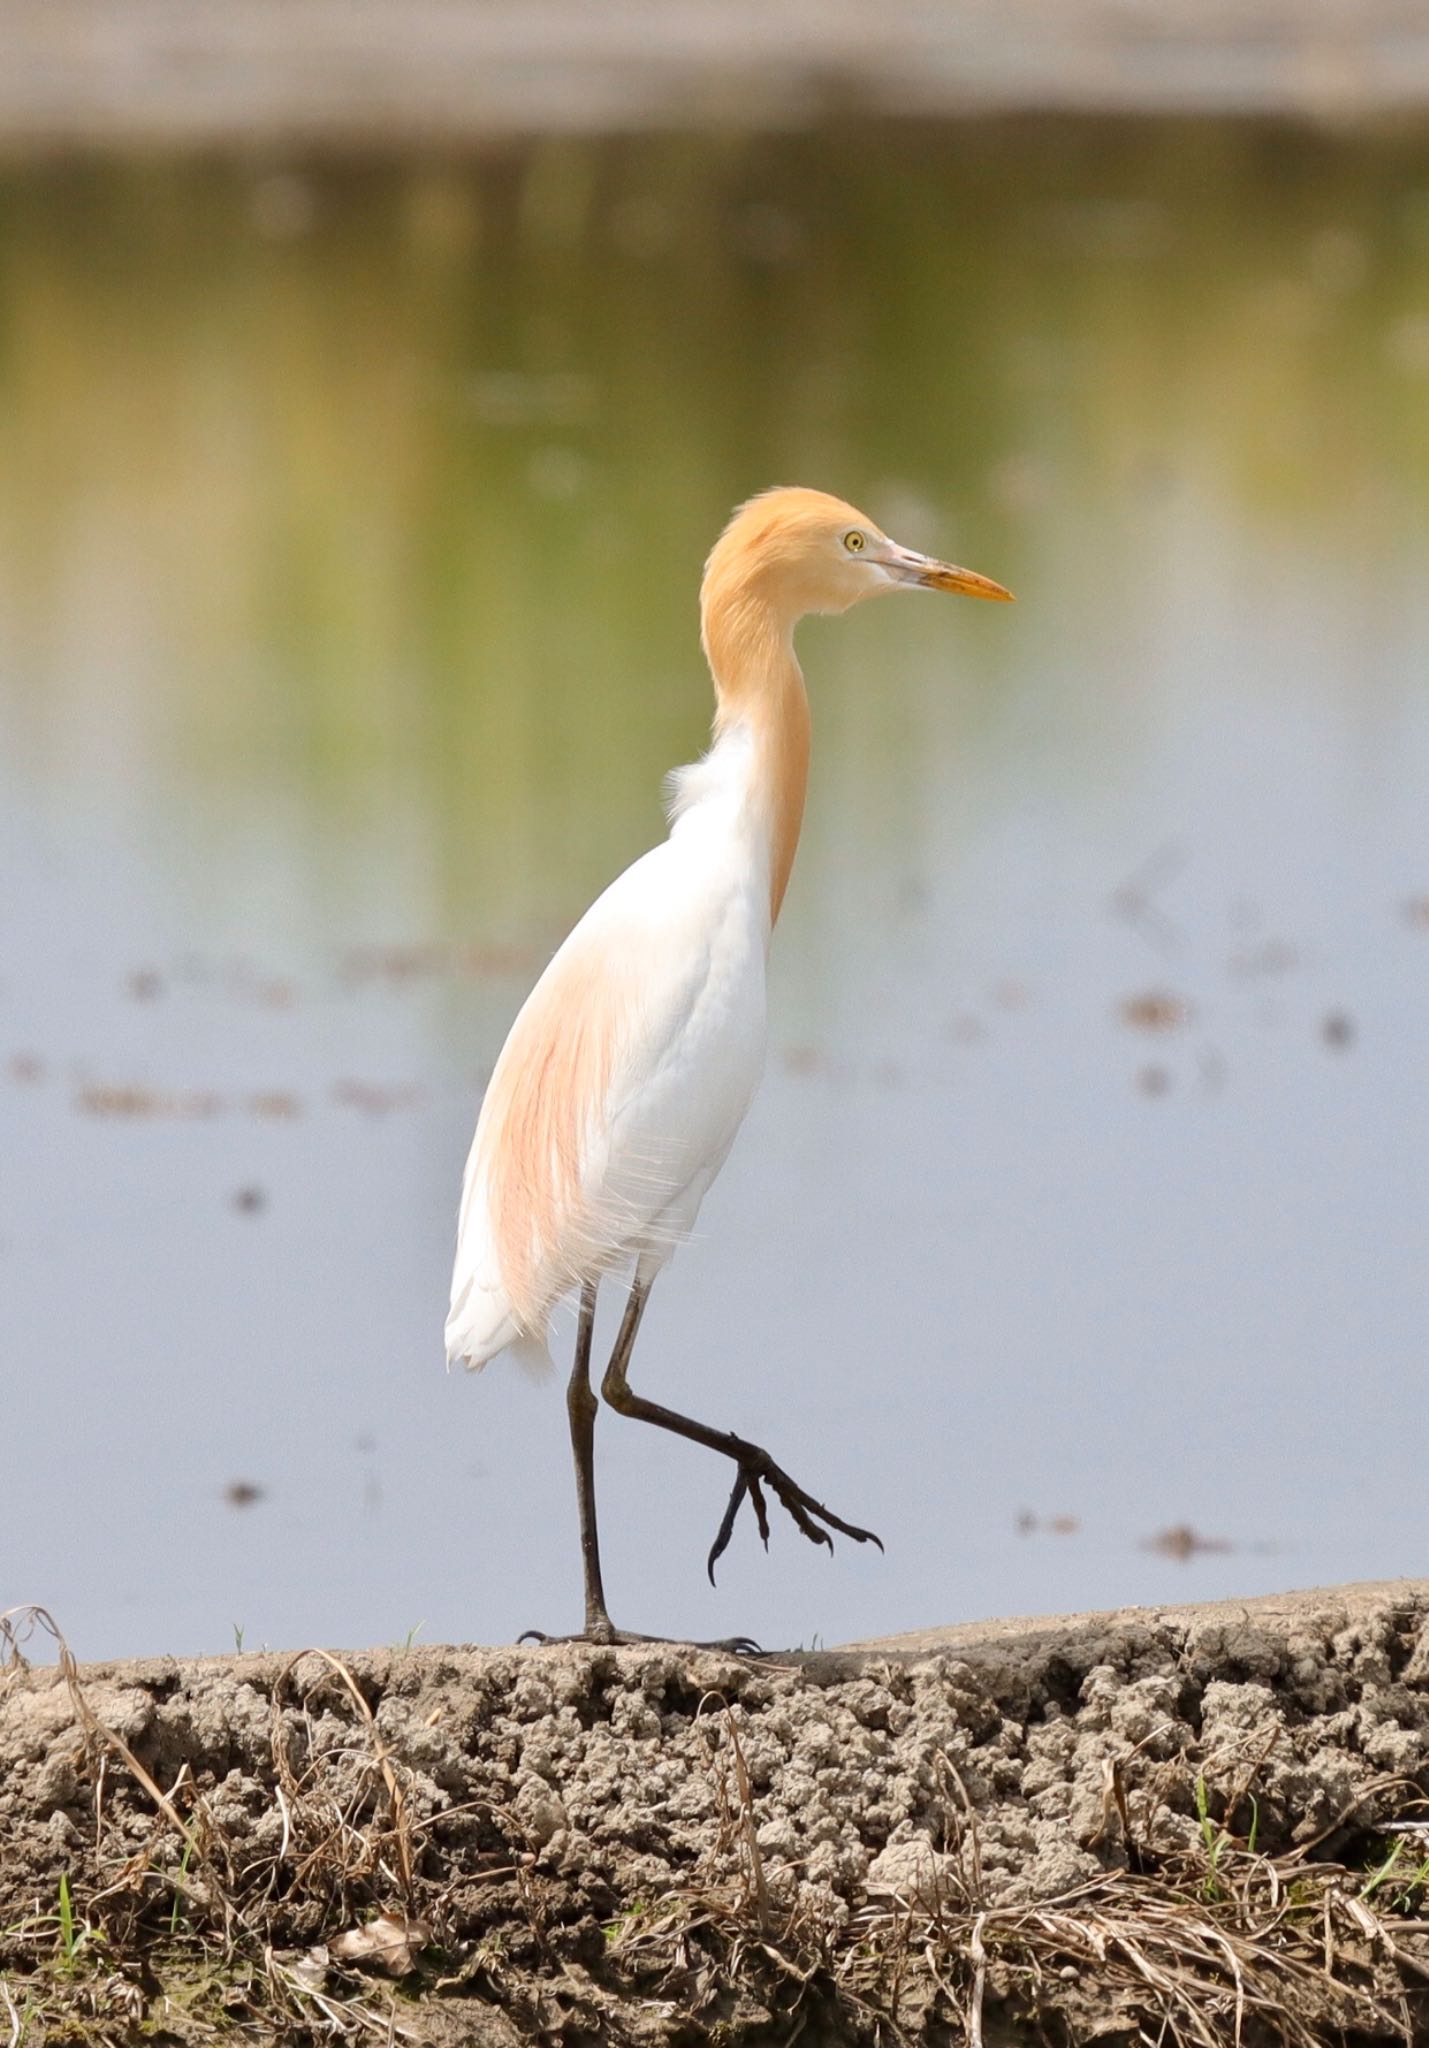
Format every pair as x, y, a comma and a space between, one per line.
350, 525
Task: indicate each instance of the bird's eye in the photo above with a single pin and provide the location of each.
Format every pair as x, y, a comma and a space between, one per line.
854, 542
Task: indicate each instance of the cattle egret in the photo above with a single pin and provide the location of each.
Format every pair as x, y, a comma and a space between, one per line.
629, 1069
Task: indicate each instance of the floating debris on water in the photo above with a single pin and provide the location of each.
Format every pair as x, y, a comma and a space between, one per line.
27, 1068
243, 1493
1155, 1009
375, 1099
421, 959
395, 962
249, 1201
145, 984
1338, 1031
275, 1105
1028, 1524
1183, 1543
135, 1099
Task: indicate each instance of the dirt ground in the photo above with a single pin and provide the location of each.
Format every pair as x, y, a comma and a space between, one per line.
1204, 1823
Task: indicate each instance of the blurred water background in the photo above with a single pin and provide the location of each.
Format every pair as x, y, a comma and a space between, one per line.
351, 517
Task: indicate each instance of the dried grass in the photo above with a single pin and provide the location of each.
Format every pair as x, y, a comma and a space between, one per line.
1212, 1945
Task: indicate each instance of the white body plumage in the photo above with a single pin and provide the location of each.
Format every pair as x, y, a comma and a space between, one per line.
673, 953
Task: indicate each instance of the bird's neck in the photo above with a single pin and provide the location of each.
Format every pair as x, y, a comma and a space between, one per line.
759, 690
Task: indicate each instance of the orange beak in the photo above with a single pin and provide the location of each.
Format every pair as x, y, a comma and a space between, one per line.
943, 576
921, 572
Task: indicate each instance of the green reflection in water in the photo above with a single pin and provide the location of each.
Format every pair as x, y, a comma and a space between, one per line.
388, 487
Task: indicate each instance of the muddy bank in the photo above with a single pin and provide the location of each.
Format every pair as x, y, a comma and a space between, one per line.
1198, 1819
354, 72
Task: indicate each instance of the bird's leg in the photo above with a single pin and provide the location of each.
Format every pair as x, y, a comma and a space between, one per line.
756, 1468
581, 1405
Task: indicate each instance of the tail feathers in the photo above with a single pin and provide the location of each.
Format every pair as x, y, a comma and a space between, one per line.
481, 1325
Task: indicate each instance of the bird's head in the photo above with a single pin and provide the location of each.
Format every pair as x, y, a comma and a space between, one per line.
801, 551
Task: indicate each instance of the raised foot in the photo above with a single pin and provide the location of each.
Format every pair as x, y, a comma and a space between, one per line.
758, 1470
609, 1637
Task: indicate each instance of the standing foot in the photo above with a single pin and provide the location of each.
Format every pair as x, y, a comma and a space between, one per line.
606, 1636
758, 1470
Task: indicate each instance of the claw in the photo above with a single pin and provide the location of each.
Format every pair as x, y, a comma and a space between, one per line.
761, 1514
726, 1527
791, 1500
835, 1522
759, 1470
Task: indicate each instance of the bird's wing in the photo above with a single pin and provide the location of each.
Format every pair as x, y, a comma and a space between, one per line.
626, 1072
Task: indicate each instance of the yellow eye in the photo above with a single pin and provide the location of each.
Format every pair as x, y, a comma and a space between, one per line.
854, 542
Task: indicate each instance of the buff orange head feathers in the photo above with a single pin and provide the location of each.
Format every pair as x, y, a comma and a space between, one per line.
803, 551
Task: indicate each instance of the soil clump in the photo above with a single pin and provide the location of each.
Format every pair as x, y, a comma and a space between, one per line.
1194, 1824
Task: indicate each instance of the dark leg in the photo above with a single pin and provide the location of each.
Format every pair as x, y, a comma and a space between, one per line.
581, 1405
756, 1468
